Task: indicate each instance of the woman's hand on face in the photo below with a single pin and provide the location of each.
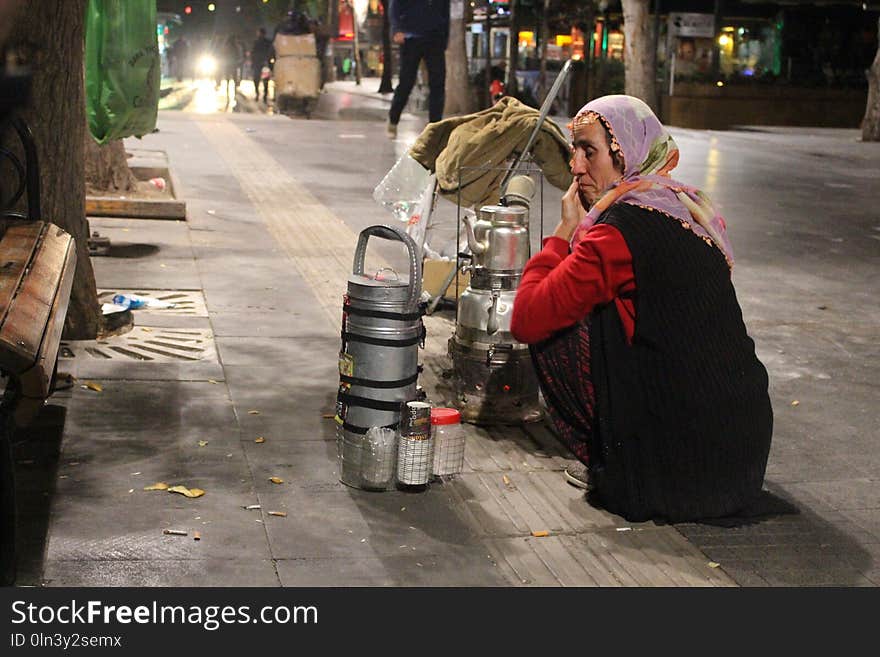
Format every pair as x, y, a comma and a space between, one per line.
572, 212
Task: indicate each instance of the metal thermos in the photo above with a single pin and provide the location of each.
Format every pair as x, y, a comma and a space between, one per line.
378, 363
493, 376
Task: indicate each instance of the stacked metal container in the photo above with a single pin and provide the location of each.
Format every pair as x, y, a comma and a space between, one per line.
378, 363
493, 376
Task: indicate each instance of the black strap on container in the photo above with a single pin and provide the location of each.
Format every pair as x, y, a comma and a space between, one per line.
366, 402
380, 342
372, 383
381, 314
362, 430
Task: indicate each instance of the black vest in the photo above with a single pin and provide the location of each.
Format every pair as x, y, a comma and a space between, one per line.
683, 420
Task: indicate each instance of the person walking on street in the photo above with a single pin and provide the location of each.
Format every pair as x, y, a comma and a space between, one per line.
637, 337
421, 29
261, 53
229, 65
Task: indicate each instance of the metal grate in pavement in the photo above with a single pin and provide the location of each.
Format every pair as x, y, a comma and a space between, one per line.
146, 344
186, 302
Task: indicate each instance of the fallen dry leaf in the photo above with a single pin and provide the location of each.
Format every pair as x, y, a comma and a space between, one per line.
259, 439
253, 412
159, 485
202, 443
175, 532
146, 329
328, 416
540, 533
280, 514
713, 564
188, 492
795, 403
91, 385
276, 480
212, 381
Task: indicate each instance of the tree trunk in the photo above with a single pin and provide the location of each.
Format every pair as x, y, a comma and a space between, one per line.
543, 87
510, 84
459, 95
639, 51
56, 115
871, 122
107, 167
357, 44
386, 87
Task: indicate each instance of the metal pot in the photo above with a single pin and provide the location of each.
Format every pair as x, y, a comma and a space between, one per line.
499, 239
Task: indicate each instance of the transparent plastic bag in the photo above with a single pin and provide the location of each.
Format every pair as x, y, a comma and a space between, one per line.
403, 188
379, 458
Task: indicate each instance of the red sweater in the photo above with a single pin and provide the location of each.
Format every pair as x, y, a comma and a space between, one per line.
559, 288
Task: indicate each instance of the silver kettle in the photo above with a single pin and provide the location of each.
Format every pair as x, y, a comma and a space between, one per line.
499, 239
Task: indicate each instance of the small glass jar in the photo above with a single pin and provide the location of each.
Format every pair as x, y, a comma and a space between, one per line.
448, 441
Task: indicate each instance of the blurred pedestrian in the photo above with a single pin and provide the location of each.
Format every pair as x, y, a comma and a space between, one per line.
261, 53
229, 55
179, 56
421, 29
636, 333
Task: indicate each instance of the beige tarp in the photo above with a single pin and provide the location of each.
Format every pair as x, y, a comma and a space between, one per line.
488, 139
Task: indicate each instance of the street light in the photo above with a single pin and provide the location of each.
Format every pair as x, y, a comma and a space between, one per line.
211, 7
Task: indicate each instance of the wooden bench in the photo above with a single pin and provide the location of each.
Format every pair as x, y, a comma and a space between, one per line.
37, 265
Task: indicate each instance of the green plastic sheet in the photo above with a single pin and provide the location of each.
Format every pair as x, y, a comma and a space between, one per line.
123, 68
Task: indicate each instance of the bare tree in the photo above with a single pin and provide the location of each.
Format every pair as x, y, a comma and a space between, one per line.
871, 122
639, 51
459, 95
53, 31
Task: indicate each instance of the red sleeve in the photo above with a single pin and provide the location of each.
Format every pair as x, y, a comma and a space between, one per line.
559, 288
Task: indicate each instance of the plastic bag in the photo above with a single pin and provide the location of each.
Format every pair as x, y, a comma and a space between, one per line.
407, 190
122, 68
403, 187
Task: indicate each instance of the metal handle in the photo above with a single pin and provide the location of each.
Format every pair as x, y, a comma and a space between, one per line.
392, 233
492, 322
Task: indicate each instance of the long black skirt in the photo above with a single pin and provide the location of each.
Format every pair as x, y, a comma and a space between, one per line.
562, 365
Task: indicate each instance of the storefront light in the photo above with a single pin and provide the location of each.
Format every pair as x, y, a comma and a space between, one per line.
724, 41
562, 39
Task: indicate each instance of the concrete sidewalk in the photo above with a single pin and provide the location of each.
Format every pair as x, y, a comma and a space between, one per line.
250, 352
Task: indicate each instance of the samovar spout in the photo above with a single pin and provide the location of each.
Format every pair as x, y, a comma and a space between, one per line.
477, 247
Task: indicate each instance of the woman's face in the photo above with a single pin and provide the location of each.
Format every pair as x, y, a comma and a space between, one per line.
591, 162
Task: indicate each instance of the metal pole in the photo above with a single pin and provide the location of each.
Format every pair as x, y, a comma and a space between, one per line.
545, 108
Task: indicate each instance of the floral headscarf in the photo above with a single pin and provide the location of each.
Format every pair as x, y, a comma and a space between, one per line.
649, 154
